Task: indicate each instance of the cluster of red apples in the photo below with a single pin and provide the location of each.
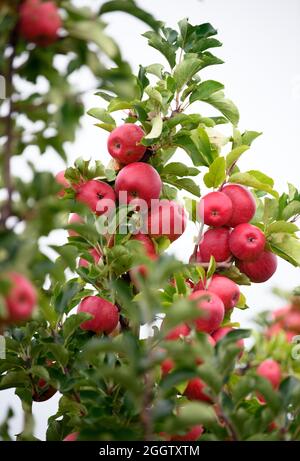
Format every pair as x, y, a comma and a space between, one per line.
286, 320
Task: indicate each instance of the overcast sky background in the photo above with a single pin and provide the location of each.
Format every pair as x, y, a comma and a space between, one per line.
261, 74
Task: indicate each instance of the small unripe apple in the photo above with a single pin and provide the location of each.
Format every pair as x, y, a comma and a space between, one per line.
227, 290
124, 143
270, 370
247, 242
215, 242
243, 204
96, 255
98, 196
71, 437
195, 390
138, 181
166, 218
39, 22
223, 331
215, 209
21, 299
62, 181
105, 315
212, 310
261, 269
74, 218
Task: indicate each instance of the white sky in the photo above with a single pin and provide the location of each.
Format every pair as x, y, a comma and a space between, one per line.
261, 74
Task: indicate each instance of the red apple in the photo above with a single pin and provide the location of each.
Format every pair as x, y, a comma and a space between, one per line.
279, 314
261, 269
177, 332
105, 314
195, 390
247, 242
124, 143
215, 209
215, 242
74, 218
138, 181
61, 180
292, 321
221, 332
166, 218
191, 436
39, 22
227, 290
71, 437
167, 366
98, 196
270, 370
212, 310
95, 253
21, 298
149, 249
243, 204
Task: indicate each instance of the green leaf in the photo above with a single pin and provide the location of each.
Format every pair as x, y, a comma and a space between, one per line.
216, 174
185, 70
162, 45
14, 379
202, 141
132, 9
65, 296
286, 246
249, 136
211, 268
247, 179
93, 31
225, 106
234, 155
183, 183
292, 209
59, 352
204, 90
156, 129
118, 104
73, 322
179, 169
261, 177
183, 139
101, 114
281, 226
195, 413
155, 69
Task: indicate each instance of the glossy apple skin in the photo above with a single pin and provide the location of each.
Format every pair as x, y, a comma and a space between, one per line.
212, 310
71, 437
247, 242
124, 143
243, 204
105, 315
96, 255
195, 390
21, 298
215, 242
39, 22
138, 181
166, 218
270, 370
98, 196
261, 269
227, 290
215, 209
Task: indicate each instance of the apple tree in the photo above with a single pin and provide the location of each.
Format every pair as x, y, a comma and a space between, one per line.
73, 324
